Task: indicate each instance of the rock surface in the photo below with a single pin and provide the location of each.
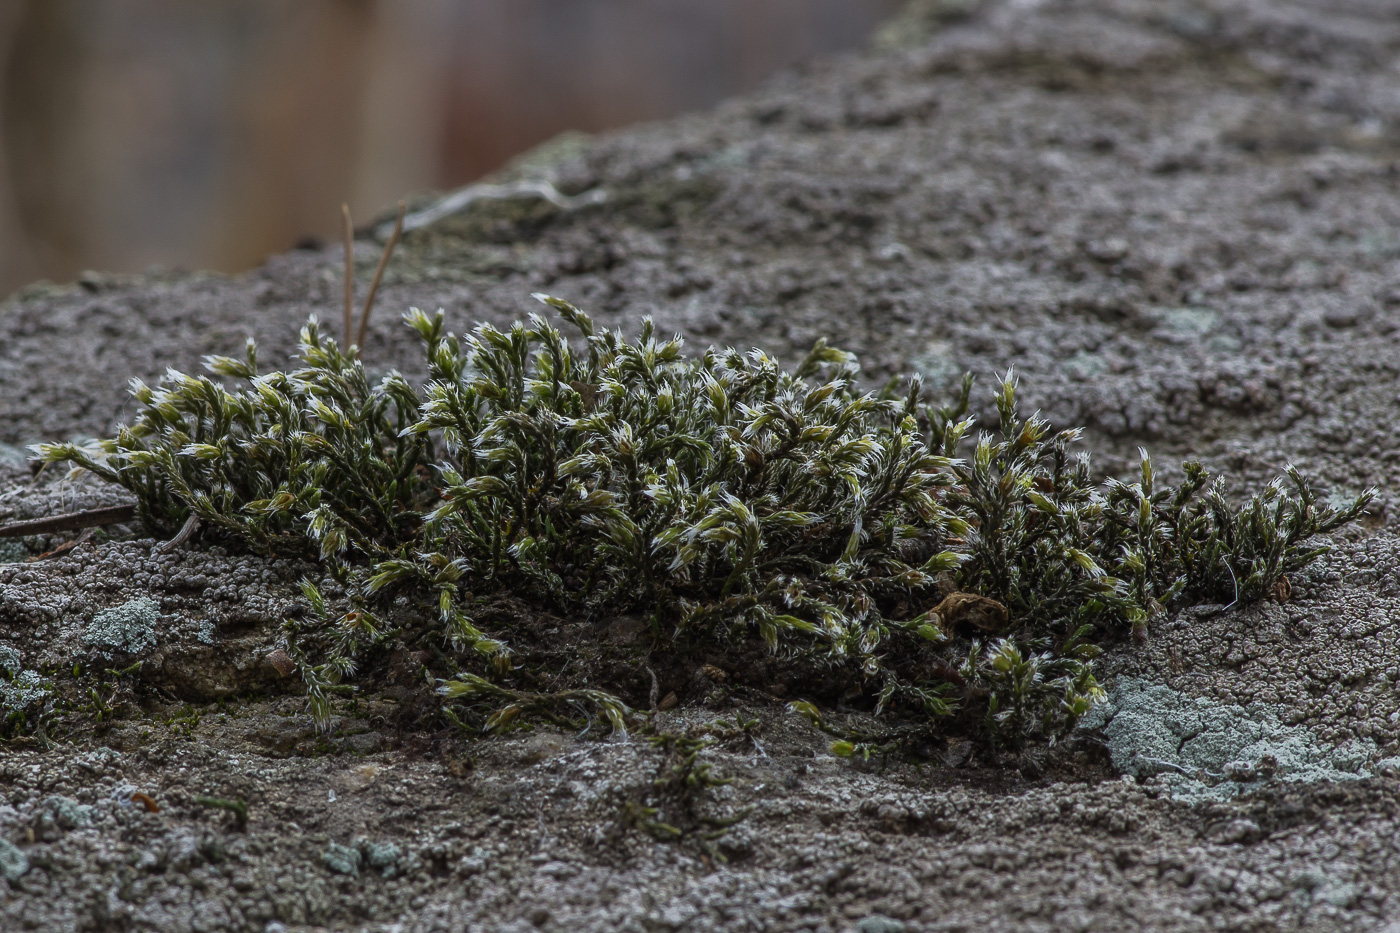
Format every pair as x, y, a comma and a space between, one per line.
1176, 220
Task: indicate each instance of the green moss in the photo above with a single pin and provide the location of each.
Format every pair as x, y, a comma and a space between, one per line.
957, 582
674, 807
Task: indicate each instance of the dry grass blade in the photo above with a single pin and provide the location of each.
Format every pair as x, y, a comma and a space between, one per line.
67, 546
378, 275
348, 229
186, 532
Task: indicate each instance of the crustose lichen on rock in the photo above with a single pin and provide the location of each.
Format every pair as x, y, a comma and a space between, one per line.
128, 629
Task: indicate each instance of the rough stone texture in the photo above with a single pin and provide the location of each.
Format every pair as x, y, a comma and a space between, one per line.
1176, 220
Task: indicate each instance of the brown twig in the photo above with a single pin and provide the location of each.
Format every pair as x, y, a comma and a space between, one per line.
465, 197
379, 274
186, 532
67, 546
349, 231
147, 801
91, 518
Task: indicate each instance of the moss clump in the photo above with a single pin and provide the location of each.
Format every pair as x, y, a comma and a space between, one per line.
956, 582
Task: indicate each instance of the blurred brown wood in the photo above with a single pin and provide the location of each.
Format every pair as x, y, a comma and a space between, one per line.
144, 131
211, 134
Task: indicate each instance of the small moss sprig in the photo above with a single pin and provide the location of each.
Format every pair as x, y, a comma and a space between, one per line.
560, 708
1061, 551
314, 459
674, 806
239, 809
956, 582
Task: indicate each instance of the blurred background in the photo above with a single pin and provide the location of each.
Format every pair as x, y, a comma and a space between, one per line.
209, 135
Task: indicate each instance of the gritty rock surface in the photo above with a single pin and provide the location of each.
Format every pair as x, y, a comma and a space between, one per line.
1176, 220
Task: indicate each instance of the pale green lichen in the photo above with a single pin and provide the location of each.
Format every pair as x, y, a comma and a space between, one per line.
383, 856
343, 860
12, 551
1202, 749
128, 628
12, 456
68, 813
22, 690
13, 863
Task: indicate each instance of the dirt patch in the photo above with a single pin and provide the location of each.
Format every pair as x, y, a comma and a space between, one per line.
1176, 221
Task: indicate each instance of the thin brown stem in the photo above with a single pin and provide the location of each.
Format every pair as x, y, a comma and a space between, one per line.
187, 531
379, 274
62, 549
92, 518
349, 231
